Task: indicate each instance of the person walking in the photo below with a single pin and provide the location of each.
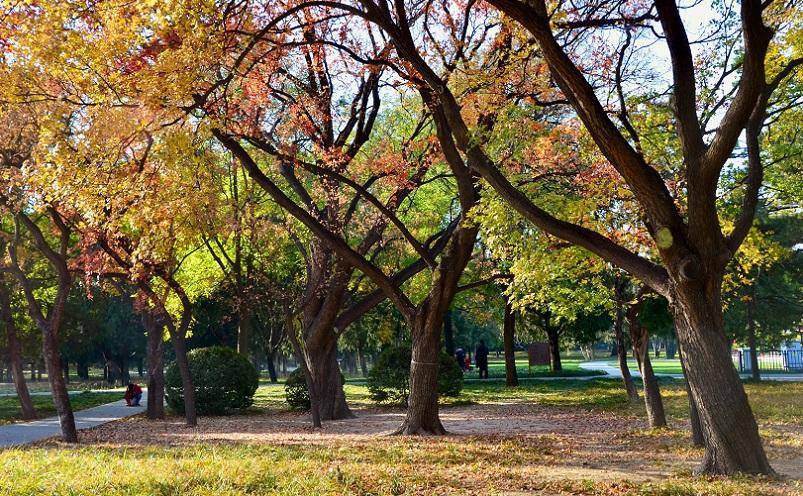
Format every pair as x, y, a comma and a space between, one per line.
481, 359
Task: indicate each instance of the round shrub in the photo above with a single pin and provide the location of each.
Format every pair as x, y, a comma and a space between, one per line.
389, 379
223, 380
295, 390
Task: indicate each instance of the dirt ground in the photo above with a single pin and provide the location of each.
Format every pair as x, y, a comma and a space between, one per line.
579, 444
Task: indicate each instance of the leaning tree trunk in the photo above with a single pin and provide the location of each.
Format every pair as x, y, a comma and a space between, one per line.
326, 375
422, 405
621, 352
58, 388
156, 381
730, 431
509, 331
15, 357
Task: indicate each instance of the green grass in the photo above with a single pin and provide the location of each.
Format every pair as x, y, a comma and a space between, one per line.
667, 366
391, 465
10, 406
496, 369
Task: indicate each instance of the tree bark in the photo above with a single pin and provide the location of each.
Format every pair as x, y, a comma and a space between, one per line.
730, 431
15, 355
180, 347
652, 394
509, 331
553, 335
244, 329
155, 351
621, 352
422, 405
325, 373
751, 338
694, 416
58, 387
363, 362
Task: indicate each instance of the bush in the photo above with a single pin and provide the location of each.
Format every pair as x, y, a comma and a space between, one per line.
295, 390
389, 379
222, 378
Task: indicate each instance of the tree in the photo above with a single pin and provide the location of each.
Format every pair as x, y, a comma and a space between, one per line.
693, 251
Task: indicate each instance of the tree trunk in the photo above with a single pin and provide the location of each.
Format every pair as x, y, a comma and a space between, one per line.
58, 388
553, 334
155, 352
641, 350
325, 372
694, 416
621, 351
363, 361
730, 431
422, 404
82, 369
15, 359
125, 374
180, 347
652, 394
244, 329
751, 338
66, 366
509, 331
33, 371
271, 359
448, 333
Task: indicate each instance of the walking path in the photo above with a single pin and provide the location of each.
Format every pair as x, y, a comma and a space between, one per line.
615, 373
29, 432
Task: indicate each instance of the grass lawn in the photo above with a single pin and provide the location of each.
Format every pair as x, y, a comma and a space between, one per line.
496, 368
10, 406
659, 365
544, 437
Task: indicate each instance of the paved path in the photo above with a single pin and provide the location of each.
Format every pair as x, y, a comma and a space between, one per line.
29, 432
615, 373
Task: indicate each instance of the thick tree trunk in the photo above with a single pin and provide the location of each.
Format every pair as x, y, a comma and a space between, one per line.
66, 368
82, 369
621, 352
730, 431
422, 405
15, 356
33, 371
155, 352
58, 388
270, 358
180, 347
509, 331
325, 373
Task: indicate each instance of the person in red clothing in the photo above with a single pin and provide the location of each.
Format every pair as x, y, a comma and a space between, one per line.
133, 394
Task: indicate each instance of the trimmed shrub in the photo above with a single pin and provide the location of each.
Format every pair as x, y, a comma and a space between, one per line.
223, 380
295, 390
389, 379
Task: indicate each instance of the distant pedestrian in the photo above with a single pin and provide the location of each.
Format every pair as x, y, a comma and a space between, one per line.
460, 355
133, 394
481, 359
